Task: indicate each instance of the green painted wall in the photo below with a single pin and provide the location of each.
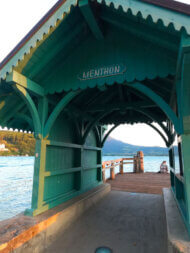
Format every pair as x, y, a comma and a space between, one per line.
63, 167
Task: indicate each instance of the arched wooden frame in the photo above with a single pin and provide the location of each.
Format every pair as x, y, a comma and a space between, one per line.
153, 117
143, 111
31, 106
149, 124
25, 118
72, 116
155, 98
108, 133
98, 136
160, 102
92, 124
160, 133
57, 110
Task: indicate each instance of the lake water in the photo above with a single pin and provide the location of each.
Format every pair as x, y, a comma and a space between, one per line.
16, 176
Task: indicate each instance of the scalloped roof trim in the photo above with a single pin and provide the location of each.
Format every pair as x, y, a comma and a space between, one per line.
105, 81
39, 35
158, 14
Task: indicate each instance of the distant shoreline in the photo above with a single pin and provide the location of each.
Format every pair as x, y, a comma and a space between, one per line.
102, 155
129, 155
16, 155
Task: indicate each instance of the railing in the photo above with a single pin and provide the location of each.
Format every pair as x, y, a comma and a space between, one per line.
137, 161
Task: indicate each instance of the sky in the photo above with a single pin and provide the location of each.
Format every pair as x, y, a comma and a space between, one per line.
17, 21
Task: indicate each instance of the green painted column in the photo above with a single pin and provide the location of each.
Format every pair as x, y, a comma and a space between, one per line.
39, 170
38, 179
183, 95
185, 141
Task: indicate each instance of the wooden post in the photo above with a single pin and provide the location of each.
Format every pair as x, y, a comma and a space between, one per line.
141, 162
138, 166
112, 171
121, 167
104, 173
135, 164
137, 170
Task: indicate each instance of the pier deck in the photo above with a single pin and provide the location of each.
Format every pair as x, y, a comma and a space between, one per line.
123, 221
143, 183
126, 220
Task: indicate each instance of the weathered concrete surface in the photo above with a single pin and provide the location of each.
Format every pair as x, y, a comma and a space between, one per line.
178, 238
148, 182
36, 233
125, 222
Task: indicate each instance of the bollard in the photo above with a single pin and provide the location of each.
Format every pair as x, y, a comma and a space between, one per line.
112, 172
121, 167
141, 162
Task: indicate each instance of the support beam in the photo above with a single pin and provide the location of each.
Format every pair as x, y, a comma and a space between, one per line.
88, 14
92, 124
32, 108
75, 121
185, 93
25, 82
101, 115
94, 98
154, 119
160, 102
78, 113
121, 93
120, 106
183, 100
160, 133
129, 100
25, 118
184, 49
149, 124
182, 79
160, 86
98, 136
43, 110
108, 133
11, 114
57, 110
38, 180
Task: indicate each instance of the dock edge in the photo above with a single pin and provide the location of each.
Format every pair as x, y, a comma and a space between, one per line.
178, 238
38, 237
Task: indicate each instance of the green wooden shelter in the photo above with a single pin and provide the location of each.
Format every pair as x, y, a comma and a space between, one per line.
90, 63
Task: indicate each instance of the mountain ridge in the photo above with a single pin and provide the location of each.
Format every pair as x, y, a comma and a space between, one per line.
117, 147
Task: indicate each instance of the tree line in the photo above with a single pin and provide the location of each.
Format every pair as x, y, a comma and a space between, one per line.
18, 143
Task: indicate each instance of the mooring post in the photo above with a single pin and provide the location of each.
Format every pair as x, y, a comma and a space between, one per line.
112, 171
135, 164
141, 162
121, 167
138, 164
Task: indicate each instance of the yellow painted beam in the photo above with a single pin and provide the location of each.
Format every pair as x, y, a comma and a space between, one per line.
25, 82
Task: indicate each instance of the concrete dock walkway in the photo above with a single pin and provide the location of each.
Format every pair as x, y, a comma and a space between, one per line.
125, 222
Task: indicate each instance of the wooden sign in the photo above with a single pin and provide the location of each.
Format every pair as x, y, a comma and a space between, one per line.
112, 70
